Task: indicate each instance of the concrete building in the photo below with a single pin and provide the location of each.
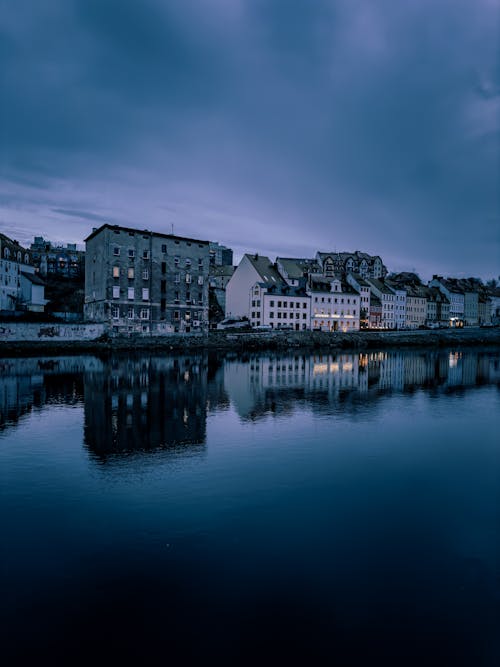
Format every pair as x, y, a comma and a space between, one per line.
137, 281
220, 255
335, 305
51, 259
20, 289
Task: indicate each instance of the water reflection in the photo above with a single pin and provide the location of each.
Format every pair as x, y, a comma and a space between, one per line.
143, 402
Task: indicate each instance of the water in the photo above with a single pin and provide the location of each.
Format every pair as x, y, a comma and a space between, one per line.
325, 508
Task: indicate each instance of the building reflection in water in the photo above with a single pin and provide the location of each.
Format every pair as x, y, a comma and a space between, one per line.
138, 403
144, 403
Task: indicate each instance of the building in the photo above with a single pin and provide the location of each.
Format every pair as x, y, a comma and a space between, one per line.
296, 270
258, 291
51, 259
138, 281
454, 293
20, 289
335, 305
219, 276
363, 288
342, 263
387, 298
220, 255
438, 307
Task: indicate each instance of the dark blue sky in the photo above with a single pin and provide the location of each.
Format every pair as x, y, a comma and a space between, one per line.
282, 126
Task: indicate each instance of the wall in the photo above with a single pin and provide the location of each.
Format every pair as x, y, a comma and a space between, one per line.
21, 331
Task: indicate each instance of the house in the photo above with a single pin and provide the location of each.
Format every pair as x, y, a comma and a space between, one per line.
51, 259
296, 270
342, 263
20, 290
335, 304
138, 281
452, 290
363, 288
387, 298
438, 307
257, 291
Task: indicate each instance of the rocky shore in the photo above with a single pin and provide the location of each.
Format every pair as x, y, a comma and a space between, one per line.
274, 340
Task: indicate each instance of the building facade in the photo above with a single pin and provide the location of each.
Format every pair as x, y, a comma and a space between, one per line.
342, 263
335, 305
138, 281
51, 259
20, 290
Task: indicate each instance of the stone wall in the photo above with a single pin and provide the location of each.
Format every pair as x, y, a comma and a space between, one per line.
11, 332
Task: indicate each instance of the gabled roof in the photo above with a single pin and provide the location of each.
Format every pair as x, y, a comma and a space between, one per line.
295, 267
264, 267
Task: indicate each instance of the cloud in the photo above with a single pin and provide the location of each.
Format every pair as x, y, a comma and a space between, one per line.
346, 123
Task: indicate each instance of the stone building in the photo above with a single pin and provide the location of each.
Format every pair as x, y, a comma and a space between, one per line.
342, 263
138, 281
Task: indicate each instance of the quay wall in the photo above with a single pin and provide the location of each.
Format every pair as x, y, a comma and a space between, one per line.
37, 339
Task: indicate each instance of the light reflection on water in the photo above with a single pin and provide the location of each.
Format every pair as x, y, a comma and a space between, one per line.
330, 506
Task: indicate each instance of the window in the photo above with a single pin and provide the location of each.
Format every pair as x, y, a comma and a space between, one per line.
116, 272
188, 277
116, 292
271, 315
176, 260
26, 258
304, 305
144, 314
177, 278
145, 254
200, 297
176, 314
116, 251
145, 274
131, 253
130, 274
130, 293
188, 263
285, 304
145, 293
130, 313
163, 304
164, 267
164, 247
271, 304
279, 304
187, 315
253, 304
188, 296
115, 312
200, 280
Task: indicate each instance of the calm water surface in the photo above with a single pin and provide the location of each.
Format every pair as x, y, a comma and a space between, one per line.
340, 509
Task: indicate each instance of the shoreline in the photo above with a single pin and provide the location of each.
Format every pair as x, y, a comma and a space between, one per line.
243, 342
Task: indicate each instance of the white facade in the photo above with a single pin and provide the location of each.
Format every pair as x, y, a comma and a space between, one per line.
336, 309
239, 289
456, 299
279, 308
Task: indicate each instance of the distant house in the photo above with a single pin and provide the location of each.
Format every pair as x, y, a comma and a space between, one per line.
343, 263
454, 293
20, 289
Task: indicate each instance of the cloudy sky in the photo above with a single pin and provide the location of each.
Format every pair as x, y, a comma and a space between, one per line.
278, 126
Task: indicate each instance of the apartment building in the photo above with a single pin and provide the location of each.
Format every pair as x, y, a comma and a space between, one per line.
335, 305
138, 281
20, 288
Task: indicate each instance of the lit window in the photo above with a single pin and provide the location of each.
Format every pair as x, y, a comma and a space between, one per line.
116, 272
130, 273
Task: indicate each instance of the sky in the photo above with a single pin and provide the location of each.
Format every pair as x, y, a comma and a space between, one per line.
282, 127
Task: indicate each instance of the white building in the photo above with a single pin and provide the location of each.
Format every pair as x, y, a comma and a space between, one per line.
387, 299
455, 296
257, 291
20, 288
335, 305
360, 285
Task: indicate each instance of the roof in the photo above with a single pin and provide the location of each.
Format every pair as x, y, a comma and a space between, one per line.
360, 280
142, 231
225, 270
266, 270
295, 267
381, 286
33, 278
321, 284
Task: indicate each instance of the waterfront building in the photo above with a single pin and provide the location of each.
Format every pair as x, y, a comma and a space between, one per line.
138, 281
363, 288
438, 307
20, 288
335, 305
387, 298
375, 316
454, 293
416, 306
296, 270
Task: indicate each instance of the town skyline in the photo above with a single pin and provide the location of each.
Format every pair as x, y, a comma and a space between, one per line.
274, 127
